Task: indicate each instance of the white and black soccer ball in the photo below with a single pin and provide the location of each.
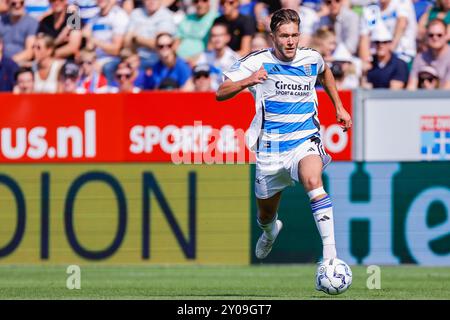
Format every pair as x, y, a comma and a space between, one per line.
333, 276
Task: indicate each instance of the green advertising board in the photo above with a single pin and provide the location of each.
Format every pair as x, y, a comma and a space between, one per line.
385, 213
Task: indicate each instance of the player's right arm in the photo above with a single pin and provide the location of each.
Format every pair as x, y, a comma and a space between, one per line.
228, 89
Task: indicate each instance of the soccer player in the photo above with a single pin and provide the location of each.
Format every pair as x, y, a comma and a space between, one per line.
285, 132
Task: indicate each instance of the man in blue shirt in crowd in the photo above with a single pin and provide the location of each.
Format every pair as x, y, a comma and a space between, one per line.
8, 69
169, 66
388, 71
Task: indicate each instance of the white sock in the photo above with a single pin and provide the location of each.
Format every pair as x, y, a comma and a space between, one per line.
270, 228
323, 216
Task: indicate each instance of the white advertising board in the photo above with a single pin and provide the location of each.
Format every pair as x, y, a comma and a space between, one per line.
406, 129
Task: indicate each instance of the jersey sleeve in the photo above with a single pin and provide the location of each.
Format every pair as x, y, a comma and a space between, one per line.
243, 68
320, 62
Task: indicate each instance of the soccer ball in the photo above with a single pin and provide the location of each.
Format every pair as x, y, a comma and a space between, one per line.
333, 276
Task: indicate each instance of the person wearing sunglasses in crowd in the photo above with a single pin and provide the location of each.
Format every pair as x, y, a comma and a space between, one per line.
145, 24
69, 77
201, 76
428, 78
440, 9
125, 77
388, 71
45, 67
437, 56
169, 66
18, 32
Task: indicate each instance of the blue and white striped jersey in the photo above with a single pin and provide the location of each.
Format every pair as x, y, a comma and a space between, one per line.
286, 103
37, 8
106, 27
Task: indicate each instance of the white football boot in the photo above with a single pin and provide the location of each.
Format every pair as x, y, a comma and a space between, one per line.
264, 245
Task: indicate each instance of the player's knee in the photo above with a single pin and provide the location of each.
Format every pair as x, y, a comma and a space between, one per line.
312, 182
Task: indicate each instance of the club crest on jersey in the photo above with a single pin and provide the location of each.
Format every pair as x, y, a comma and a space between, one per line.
308, 69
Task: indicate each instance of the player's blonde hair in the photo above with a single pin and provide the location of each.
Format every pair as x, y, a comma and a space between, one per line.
283, 16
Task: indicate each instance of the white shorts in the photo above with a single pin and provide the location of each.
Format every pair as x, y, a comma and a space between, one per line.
276, 171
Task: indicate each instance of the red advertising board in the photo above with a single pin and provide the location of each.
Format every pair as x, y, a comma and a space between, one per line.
61, 128
147, 127
337, 142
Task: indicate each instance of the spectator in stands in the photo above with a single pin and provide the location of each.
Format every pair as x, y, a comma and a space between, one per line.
45, 67
247, 8
193, 31
169, 66
18, 32
263, 12
131, 58
37, 9
8, 68
399, 18
87, 9
260, 41
387, 70
145, 24
262, 17
125, 77
60, 25
91, 79
202, 80
106, 33
437, 56
440, 10
324, 41
428, 78
24, 79
69, 78
344, 22
221, 57
345, 68
308, 18
242, 27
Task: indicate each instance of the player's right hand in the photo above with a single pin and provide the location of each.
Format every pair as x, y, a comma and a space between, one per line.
258, 77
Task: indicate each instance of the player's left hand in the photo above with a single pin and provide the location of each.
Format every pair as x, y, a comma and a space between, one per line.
344, 119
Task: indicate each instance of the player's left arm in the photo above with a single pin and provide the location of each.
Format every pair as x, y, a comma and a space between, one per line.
329, 84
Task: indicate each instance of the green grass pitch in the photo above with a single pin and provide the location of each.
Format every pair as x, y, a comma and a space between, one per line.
215, 282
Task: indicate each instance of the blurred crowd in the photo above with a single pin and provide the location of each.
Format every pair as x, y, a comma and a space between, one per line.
107, 46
